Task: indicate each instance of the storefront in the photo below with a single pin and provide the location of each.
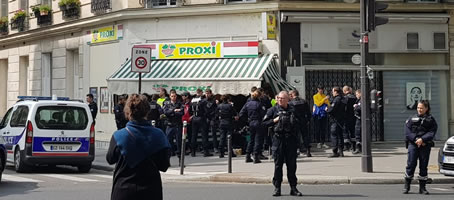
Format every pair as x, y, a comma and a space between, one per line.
410, 51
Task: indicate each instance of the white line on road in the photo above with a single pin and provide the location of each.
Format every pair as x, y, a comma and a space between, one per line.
19, 179
71, 178
441, 189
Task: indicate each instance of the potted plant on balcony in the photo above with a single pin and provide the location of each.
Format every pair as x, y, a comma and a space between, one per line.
70, 8
44, 10
3, 25
17, 21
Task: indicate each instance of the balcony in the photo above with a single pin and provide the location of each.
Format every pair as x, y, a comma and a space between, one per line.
101, 6
161, 3
43, 14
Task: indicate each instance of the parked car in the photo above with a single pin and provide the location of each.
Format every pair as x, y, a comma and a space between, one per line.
2, 157
41, 131
446, 158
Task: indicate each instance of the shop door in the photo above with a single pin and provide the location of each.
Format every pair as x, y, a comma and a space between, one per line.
332, 78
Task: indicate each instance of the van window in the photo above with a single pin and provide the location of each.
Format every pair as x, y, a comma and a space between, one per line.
5, 119
61, 117
19, 118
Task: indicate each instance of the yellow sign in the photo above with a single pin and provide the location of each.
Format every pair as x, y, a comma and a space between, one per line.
190, 50
104, 34
271, 26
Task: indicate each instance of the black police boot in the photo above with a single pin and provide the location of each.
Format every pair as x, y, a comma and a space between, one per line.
193, 153
221, 154
334, 154
308, 152
422, 187
294, 191
277, 192
248, 158
341, 153
257, 158
207, 154
407, 185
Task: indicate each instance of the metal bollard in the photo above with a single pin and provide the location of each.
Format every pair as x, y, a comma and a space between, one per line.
153, 123
229, 147
183, 146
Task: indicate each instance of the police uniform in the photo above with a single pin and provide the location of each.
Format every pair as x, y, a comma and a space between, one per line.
155, 114
284, 145
225, 112
174, 123
337, 113
93, 109
350, 121
419, 127
212, 122
357, 111
303, 114
120, 118
254, 110
199, 124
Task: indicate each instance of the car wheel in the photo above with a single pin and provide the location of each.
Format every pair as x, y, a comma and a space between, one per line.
1, 167
19, 164
84, 168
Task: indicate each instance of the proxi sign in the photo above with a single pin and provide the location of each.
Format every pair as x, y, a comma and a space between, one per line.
190, 50
141, 58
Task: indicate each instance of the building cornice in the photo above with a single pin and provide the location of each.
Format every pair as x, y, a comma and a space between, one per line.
204, 10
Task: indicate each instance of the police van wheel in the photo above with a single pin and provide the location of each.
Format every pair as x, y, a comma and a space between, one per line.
19, 164
2, 167
84, 168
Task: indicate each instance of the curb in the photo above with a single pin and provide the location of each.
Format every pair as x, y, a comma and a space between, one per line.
102, 167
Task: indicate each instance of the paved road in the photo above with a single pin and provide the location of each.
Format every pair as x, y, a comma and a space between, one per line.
65, 183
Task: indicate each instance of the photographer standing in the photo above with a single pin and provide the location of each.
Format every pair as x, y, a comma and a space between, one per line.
285, 142
420, 130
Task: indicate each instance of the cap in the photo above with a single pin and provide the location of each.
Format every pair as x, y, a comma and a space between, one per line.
185, 94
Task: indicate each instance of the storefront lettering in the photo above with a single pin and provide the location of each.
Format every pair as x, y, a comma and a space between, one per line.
181, 88
197, 50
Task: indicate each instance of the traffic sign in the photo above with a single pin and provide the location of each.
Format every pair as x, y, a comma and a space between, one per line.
141, 57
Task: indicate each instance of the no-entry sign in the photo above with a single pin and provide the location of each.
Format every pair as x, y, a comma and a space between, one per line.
141, 57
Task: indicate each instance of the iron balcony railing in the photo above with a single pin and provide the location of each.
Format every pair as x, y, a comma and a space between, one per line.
100, 6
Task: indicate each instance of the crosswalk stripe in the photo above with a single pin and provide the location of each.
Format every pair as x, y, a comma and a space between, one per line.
103, 176
19, 179
71, 178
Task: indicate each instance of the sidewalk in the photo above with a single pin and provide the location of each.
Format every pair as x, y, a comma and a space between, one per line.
389, 161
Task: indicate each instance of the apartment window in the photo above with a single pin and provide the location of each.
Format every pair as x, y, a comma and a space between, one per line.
423, 1
412, 41
161, 3
23, 5
101, 6
240, 1
46, 2
439, 41
4, 8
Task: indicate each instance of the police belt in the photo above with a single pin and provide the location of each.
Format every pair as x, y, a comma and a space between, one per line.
282, 135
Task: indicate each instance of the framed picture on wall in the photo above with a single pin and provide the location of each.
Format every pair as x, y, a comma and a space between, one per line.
94, 92
416, 91
104, 100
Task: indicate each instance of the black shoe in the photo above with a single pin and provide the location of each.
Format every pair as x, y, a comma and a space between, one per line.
257, 159
334, 155
341, 154
308, 153
295, 192
407, 185
277, 192
248, 158
422, 187
207, 154
263, 157
221, 155
193, 154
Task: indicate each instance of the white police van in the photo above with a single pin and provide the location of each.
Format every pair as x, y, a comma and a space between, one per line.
48, 131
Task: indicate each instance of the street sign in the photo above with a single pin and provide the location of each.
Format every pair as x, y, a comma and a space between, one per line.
141, 57
356, 59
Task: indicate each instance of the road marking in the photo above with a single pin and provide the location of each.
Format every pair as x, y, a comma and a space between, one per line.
71, 178
177, 172
441, 189
103, 176
19, 179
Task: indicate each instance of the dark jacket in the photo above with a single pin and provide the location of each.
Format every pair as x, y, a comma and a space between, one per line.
302, 110
93, 109
289, 125
199, 108
155, 111
337, 109
211, 108
424, 127
225, 113
349, 101
254, 110
357, 109
120, 118
139, 154
173, 118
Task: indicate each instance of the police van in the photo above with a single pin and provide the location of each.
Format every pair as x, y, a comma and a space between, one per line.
49, 131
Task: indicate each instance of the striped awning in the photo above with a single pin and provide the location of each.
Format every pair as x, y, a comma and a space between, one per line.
223, 76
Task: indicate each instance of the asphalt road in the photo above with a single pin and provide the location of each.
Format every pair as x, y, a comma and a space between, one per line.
65, 183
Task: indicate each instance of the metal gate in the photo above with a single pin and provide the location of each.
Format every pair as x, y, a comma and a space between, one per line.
331, 78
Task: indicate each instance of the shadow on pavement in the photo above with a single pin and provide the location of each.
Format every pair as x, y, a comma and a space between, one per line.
8, 188
336, 196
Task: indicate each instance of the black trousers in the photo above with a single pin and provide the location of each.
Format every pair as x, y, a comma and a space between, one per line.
225, 131
284, 151
414, 154
213, 124
358, 131
320, 126
199, 125
337, 140
349, 130
257, 131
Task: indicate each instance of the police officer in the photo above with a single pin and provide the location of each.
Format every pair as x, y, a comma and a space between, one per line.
120, 118
155, 112
350, 119
285, 142
357, 110
92, 105
199, 123
174, 111
254, 111
303, 113
420, 130
337, 113
212, 122
226, 114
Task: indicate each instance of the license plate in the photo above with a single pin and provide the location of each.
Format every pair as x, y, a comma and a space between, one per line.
61, 147
448, 159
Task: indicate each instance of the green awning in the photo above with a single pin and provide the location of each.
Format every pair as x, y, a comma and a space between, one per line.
223, 76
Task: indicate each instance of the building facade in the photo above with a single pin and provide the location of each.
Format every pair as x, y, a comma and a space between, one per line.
75, 48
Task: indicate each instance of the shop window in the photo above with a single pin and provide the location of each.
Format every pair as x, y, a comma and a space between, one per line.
331, 58
4, 8
241, 1
412, 41
161, 3
439, 41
